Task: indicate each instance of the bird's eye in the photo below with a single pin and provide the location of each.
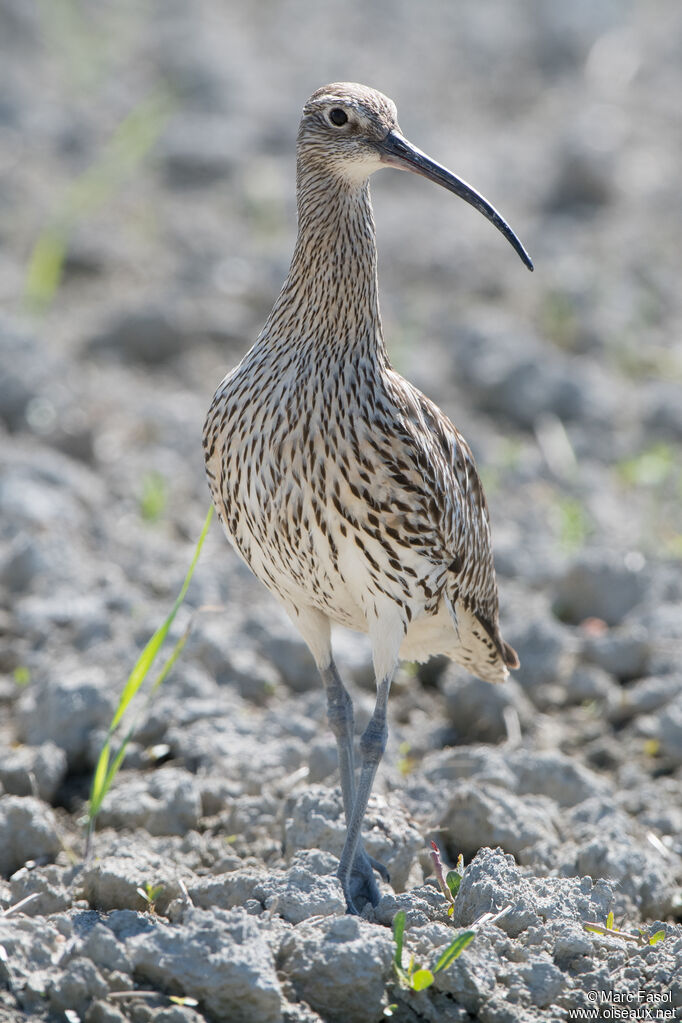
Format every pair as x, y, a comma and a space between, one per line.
338, 116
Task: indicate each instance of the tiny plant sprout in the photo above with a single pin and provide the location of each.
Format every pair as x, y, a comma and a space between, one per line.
416, 977
22, 675
150, 893
154, 497
643, 936
449, 883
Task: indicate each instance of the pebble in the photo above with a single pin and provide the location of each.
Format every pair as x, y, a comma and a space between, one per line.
547, 651
277, 641
530, 898
559, 777
589, 682
111, 882
24, 369
340, 967
29, 830
665, 725
27, 500
600, 584
478, 710
77, 987
166, 801
231, 661
623, 651
218, 956
663, 413
50, 887
37, 771
148, 336
608, 844
20, 563
301, 893
645, 696
66, 710
520, 379
480, 814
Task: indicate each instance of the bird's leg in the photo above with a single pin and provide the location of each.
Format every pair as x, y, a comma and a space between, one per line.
372, 746
341, 722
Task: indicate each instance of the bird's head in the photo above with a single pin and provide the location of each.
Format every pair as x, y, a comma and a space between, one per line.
342, 128
349, 131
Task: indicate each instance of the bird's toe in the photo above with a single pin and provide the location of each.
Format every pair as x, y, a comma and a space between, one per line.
381, 868
362, 888
362, 885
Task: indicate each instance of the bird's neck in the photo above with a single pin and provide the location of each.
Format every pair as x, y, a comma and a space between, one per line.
329, 302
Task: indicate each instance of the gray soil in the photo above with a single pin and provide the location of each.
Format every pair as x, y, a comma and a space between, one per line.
562, 788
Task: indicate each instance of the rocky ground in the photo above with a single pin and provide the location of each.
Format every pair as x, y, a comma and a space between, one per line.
146, 152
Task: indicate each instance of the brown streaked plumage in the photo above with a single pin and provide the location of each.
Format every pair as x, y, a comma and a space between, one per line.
348, 492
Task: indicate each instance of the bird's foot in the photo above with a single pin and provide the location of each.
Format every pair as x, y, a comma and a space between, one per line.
381, 868
361, 886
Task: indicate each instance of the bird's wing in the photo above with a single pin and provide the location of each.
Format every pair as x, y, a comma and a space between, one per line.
450, 505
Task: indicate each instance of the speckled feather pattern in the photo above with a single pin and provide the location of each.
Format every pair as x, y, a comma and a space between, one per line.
342, 486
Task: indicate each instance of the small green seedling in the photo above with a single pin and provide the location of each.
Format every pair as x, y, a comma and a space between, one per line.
22, 675
107, 769
150, 893
417, 977
154, 497
651, 747
449, 883
151, 996
406, 763
643, 936
651, 468
573, 523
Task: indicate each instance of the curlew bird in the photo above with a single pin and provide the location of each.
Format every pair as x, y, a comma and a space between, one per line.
346, 491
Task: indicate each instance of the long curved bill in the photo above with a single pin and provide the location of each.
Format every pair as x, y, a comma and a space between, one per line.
396, 151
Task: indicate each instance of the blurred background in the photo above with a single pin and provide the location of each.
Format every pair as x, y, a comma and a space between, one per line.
147, 217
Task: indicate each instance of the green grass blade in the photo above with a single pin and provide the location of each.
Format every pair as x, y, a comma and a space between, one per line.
99, 777
45, 268
101, 785
133, 139
148, 655
113, 769
105, 772
175, 653
454, 949
398, 931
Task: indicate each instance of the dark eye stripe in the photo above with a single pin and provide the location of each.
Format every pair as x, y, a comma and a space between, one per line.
338, 116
